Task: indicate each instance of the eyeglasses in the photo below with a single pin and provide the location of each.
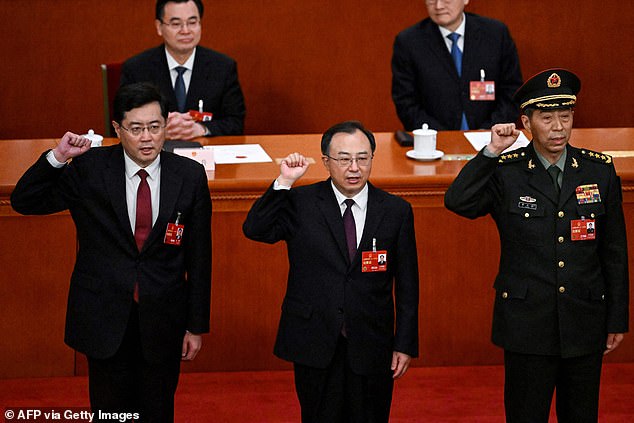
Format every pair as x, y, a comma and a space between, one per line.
347, 161
430, 2
177, 25
136, 131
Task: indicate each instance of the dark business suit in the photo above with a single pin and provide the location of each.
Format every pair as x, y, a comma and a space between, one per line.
554, 296
214, 80
426, 87
174, 281
325, 290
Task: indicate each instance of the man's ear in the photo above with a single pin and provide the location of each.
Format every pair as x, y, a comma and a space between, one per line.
526, 122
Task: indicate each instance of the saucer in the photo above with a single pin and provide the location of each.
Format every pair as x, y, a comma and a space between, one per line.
424, 157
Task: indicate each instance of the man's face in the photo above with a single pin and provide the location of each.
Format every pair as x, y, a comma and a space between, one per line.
145, 147
550, 129
447, 13
351, 179
180, 28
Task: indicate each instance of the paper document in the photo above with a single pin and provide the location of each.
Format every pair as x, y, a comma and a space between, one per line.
239, 153
479, 139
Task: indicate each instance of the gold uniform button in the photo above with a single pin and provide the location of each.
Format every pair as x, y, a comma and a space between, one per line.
603, 297
592, 215
505, 295
560, 214
562, 289
561, 264
527, 215
560, 239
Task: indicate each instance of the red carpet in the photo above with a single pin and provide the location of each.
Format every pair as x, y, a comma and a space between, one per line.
427, 394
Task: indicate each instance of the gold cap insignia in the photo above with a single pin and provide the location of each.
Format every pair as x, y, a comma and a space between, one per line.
554, 81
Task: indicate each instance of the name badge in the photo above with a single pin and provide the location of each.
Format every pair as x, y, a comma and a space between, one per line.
582, 229
374, 261
201, 116
174, 232
482, 90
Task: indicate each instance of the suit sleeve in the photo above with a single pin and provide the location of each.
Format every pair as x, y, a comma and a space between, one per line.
409, 107
510, 80
474, 191
270, 218
198, 259
614, 263
43, 189
406, 291
229, 120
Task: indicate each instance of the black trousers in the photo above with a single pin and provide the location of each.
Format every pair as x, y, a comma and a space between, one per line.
127, 383
337, 395
530, 380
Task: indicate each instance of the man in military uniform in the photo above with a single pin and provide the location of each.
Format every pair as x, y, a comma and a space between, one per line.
562, 291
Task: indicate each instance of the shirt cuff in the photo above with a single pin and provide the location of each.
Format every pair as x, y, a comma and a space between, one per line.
277, 186
50, 156
487, 153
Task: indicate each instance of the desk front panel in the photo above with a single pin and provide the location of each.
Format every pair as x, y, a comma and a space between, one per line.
458, 260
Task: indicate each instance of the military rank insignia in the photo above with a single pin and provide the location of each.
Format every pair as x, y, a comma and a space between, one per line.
587, 194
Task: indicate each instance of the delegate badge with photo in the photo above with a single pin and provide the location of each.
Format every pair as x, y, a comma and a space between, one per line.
582, 229
374, 261
174, 232
482, 90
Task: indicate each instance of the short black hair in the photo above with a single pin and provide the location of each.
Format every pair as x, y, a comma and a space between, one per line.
136, 95
347, 127
160, 7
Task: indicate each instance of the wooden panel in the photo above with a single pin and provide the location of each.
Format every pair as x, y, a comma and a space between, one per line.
37, 256
303, 65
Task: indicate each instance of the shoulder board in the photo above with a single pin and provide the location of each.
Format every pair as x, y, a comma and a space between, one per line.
594, 156
512, 156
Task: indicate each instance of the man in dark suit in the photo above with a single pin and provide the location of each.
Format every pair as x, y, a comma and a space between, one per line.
430, 86
189, 76
561, 298
349, 325
139, 294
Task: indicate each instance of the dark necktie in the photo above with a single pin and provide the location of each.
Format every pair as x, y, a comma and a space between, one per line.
351, 228
179, 89
456, 55
143, 224
554, 172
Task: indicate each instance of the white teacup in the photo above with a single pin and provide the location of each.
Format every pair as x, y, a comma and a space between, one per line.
96, 140
425, 141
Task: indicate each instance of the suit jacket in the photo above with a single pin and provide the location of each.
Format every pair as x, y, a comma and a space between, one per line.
426, 87
214, 80
324, 288
554, 296
174, 281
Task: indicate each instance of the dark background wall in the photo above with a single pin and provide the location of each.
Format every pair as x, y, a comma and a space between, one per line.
303, 65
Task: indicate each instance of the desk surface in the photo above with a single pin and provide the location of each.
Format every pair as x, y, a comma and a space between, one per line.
391, 168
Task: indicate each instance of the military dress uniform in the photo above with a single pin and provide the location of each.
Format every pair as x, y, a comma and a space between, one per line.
563, 282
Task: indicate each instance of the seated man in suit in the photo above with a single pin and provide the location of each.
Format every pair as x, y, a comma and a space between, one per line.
463, 84
188, 75
140, 292
349, 326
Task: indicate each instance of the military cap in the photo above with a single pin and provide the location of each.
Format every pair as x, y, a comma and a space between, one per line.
549, 89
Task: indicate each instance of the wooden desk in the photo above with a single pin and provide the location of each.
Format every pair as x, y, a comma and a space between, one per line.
458, 260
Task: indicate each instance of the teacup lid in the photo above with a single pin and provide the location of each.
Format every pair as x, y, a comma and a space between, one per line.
425, 130
92, 136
